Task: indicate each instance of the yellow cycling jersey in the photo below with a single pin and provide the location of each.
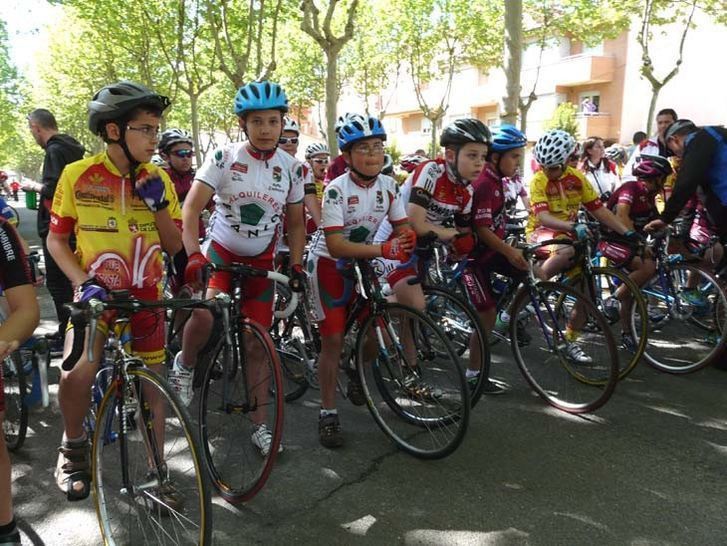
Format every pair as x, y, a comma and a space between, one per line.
116, 234
561, 198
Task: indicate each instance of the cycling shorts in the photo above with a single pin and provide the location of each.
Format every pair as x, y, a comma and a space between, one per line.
478, 279
258, 292
147, 327
544, 234
327, 290
700, 236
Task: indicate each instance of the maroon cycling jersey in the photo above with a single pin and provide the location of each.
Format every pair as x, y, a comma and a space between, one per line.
14, 267
488, 202
642, 202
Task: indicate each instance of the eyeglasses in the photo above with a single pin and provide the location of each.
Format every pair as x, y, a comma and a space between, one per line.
152, 133
183, 153
320, 160
376, 149
286, 140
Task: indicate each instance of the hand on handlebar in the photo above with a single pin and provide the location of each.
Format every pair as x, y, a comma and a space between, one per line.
517, 259
581, 231
633, 236
298, 278
92, 288
7, 347
463, 243
655, 225
193, 273
400, 247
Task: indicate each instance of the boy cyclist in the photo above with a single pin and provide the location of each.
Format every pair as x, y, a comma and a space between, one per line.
354, 205
251, 182
124, 212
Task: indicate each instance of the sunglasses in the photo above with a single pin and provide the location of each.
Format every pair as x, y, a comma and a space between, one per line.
183, 153
286, 140
320, 160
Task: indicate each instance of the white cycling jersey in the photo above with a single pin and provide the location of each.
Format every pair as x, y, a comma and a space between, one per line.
357, 211
250, 196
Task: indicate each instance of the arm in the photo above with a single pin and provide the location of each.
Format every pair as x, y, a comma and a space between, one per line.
313, 206
60, 249
622, 213
550, 221
197, 199
418, 220
296, 232
52, 169
169, 235
340, 247
607, 218
24, 317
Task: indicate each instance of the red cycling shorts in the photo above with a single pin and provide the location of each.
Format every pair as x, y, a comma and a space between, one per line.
327, 287
258, 292
478, 279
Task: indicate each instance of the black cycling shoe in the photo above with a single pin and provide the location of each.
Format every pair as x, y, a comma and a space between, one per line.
495, 386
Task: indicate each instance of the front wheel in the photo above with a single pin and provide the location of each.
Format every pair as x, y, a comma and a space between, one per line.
564, 347
149, 483
413, 381
240, 411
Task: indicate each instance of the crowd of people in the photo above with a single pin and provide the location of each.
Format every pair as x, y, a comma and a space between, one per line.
105, 219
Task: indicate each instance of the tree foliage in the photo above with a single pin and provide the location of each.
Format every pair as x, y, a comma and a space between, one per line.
564, 118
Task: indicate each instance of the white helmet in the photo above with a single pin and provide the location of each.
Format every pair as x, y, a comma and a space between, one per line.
342, 120
316, 148
554, 148
290, 124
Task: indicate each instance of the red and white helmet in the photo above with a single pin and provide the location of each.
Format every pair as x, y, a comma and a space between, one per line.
411, 161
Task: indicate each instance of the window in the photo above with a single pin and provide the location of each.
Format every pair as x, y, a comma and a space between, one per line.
594, 97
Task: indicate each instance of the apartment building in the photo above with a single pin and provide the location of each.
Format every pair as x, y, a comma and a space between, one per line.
607, 73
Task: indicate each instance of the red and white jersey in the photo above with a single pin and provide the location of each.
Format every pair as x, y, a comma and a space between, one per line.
357, 211
650, 146
250, 195
434, 188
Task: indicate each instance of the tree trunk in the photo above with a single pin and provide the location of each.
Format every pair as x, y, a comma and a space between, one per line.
433, 143
194, 115
655, 90
331, 99
513, 59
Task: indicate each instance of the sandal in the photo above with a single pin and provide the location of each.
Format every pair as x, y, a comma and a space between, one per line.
73, 468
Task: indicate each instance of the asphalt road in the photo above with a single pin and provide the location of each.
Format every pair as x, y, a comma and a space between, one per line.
647, 469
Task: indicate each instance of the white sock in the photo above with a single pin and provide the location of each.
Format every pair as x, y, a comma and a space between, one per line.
326, 412
469, 374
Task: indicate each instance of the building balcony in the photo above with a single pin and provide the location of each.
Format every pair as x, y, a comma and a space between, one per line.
594, 124
582, 70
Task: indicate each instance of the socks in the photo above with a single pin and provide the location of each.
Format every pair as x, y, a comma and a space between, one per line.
326, 412
469, 374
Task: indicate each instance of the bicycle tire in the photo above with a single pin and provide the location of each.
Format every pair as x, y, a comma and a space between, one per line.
289, 339
686, 322
15, 424
458, 310
636, 325
385, 387
110, 457
232, 446
556, 379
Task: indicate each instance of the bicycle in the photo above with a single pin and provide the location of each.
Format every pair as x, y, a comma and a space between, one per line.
148, 484
687, 312
411, 376
242, 391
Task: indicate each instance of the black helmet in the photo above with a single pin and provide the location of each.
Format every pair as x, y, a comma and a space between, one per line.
463, 131
680, 126
388, 168
117, 100
170, 137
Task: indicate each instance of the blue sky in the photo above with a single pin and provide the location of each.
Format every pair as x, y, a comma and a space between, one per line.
25, 19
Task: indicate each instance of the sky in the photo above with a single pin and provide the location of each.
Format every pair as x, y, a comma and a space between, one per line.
24, 20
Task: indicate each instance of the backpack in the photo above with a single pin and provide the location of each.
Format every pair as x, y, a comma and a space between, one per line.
717, 174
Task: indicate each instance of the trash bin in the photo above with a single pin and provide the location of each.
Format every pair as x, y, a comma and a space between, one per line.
31, 200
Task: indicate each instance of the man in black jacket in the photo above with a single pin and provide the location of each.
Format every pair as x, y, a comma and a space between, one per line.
60, 150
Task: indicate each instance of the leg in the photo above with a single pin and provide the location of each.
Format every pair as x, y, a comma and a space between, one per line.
6, 501
59, 286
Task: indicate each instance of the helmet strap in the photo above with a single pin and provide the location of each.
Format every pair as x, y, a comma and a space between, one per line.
133, 162
452, 169
362, 176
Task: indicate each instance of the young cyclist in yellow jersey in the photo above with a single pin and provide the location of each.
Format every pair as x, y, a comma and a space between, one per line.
317, 157
124, 212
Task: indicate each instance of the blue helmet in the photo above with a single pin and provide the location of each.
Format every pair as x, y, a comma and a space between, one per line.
507, 137
357, 127
262, 95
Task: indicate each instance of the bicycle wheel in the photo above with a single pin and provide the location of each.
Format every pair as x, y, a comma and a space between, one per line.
292, 338
574, 369
414, 385
460, 323
242, 391
626, 317
148, 482
686, 310
15, 424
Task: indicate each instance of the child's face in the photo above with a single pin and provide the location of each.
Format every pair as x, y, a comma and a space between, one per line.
470, 159
510, 161
263, 128
289, 142
366, 156
142, 134
180, 157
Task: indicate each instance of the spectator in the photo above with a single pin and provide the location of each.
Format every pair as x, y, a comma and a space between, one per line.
60, 150
421, 152
14, 188
637, 139
656, 145
588, 106
599, 170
